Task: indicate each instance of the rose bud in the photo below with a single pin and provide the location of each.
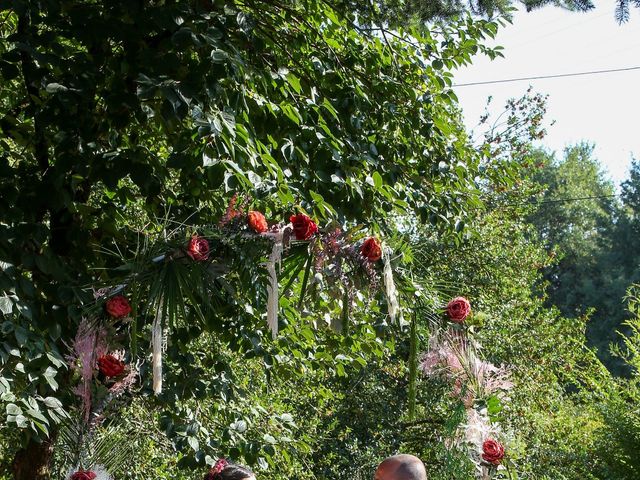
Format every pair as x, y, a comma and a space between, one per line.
198, 248
257, 222
371, 249
492, 451
303, 227
118, 306
458, 309
110, 366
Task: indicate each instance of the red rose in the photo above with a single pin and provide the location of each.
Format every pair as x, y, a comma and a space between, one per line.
492, 451
118, 306
198, 248
371, 249
458, 309
257, 222
303, 226
83, 475
110, 366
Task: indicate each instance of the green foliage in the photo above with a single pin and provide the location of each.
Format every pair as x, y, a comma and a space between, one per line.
130, 121
621, 437
592, 233
579, 205
552, 417
126, 127
625, 235
30, 363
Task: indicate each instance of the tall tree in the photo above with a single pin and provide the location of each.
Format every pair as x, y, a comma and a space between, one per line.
579, 207
582, 222
627, 238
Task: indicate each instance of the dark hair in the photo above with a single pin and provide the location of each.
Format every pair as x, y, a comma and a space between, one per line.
230, 472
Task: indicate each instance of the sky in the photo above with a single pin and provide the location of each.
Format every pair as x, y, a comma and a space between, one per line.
602, 109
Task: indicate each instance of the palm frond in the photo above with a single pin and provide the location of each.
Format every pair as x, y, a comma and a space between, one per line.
79, 446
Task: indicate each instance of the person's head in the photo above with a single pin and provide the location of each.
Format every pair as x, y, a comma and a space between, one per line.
224, 470
401, 467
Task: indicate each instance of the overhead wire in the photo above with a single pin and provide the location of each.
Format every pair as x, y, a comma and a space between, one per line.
565, 200
543, 77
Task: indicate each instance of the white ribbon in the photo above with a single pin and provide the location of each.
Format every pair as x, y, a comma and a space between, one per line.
390, 286
156, 345
272, 289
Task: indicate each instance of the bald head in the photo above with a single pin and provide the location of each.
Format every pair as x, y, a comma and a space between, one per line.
401, 467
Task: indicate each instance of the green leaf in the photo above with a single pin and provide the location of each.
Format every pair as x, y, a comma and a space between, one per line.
57, 362
41, 426
292, 113
377, 180
294, 82
219, 56
239, 426
52, 402
21, 421
6, 305
38, 416
55, 87
13, 409
21, 335
49, 376
193, 443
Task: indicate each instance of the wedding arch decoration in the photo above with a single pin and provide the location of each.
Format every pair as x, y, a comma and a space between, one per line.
453, 356
108, 132
103, 354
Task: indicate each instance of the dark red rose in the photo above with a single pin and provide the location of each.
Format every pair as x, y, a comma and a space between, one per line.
118, 306
110, 366
83, 475
198, 248
492, 451
303, 227
371, 249
458, 309
257, 222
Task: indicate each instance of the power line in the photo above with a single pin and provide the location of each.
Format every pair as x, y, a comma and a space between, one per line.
541, 77
557, 200
576, 199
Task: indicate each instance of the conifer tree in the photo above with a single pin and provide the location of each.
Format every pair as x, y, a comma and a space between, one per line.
397, 12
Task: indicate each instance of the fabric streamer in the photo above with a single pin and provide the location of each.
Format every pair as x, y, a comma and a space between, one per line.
272, 289
156, 345
390, 286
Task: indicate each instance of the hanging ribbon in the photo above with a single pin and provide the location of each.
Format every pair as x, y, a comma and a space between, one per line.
390, 286
156, 345
272, 289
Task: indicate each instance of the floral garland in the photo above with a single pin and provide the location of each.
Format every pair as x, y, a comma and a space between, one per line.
103, 369
453, 357
333, 246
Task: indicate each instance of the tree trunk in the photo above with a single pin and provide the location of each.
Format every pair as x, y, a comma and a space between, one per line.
33, 461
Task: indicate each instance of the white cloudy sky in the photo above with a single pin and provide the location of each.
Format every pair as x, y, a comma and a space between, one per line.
603, 109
